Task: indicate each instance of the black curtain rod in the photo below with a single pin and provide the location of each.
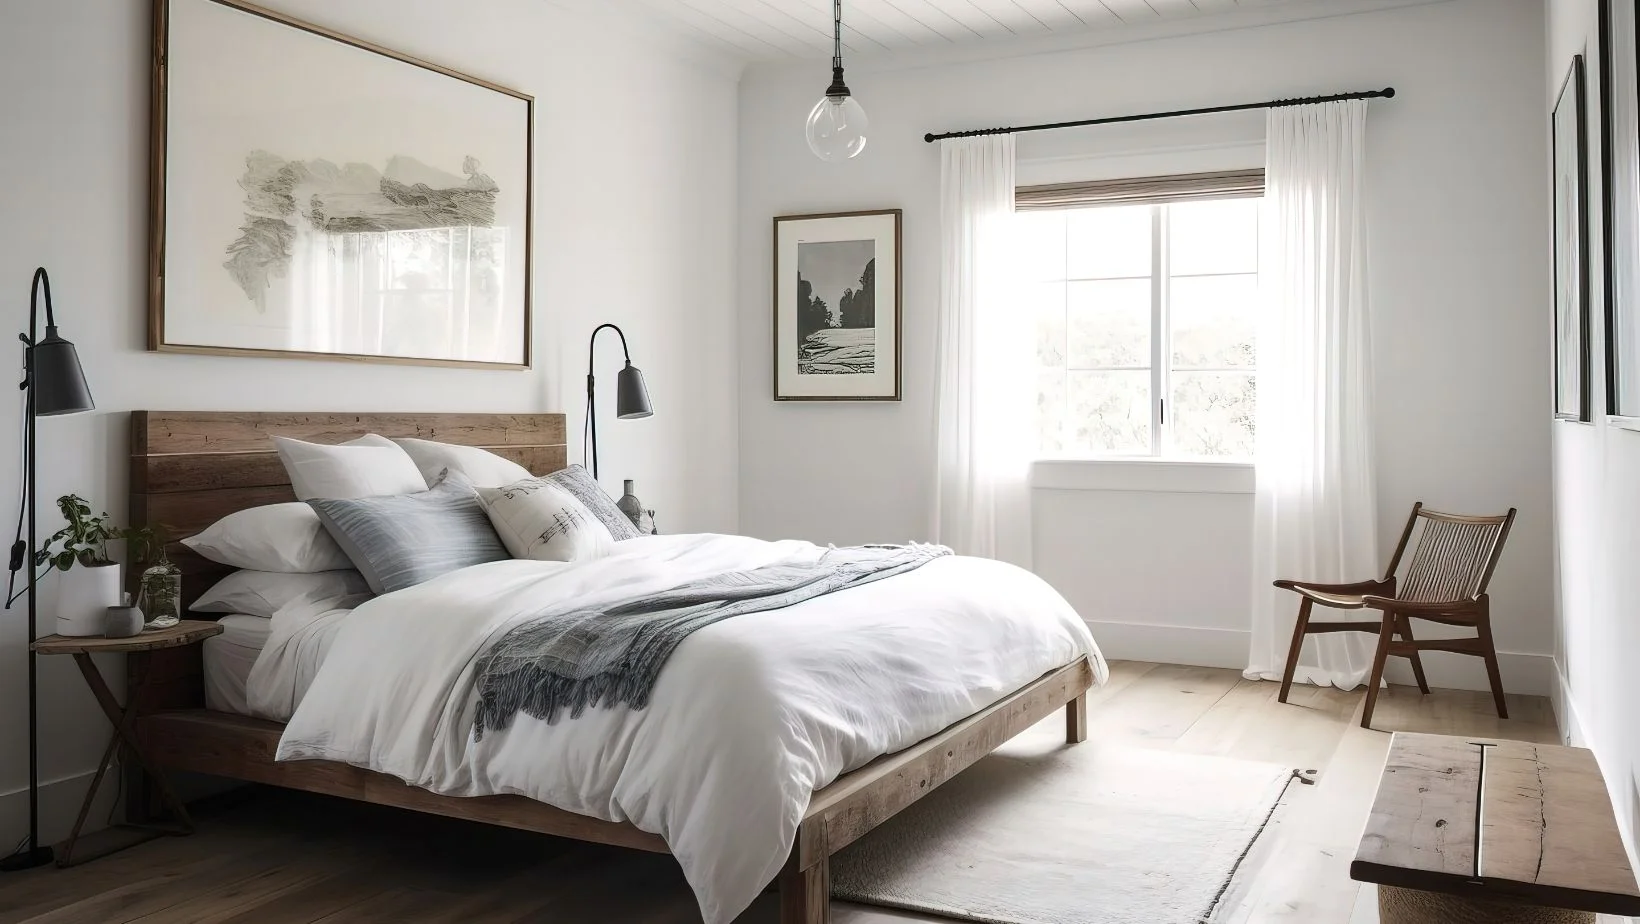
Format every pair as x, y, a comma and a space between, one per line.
1386, 93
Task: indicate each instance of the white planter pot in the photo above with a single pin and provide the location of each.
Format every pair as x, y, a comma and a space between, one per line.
84, 596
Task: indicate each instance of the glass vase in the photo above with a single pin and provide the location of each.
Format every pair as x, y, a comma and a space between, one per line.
161, 595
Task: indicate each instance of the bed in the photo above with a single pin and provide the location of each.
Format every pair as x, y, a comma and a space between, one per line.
188, 469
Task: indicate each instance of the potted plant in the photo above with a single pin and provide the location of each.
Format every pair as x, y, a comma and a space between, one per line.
89, 582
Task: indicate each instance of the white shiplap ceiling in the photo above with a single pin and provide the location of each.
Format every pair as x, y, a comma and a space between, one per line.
780, 29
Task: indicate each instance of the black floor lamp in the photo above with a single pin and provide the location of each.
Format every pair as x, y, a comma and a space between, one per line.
631, 397
54, 385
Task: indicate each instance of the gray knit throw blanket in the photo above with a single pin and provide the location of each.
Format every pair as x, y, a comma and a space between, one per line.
572, 658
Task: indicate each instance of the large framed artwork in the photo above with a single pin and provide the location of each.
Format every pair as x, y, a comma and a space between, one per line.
1571, 243
315, 195
1620, 168
837, 307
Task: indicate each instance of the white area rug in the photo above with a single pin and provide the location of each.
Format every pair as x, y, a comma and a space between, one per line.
1042, 833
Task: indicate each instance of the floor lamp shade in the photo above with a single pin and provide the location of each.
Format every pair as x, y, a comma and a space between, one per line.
57, 379
631, 395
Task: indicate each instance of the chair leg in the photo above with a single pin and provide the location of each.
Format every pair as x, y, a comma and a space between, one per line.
1491, 656
1404, 624
1299, 629
1385, 633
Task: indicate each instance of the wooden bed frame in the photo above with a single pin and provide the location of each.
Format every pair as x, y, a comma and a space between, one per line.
189, 469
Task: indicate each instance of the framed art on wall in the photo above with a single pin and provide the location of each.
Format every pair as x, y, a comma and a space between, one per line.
837, 307
316, 195
1571, 243
1620, 168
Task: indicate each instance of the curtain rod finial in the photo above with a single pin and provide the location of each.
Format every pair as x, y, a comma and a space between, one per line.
929, 137
1389, 93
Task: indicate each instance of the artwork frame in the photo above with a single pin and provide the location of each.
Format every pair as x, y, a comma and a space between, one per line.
1570, 194
843, 366
351, 269
1619, 37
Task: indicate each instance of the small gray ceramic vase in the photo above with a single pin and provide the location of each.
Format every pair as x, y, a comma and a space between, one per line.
122, 622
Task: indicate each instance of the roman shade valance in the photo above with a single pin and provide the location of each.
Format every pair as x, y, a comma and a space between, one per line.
1145, 190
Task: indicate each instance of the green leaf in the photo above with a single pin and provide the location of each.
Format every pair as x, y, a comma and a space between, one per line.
65, 561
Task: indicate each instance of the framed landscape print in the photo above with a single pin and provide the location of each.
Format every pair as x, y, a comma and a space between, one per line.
1571, 242
1620, 165
837, 307
315, 195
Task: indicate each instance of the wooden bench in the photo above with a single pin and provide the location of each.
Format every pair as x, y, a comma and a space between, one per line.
1476, 829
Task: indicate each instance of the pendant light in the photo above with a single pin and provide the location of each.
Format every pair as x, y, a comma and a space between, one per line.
837, 125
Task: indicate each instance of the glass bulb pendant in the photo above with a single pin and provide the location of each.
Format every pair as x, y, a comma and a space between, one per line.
837, 128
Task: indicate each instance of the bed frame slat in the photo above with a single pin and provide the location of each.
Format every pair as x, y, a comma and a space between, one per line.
180, 432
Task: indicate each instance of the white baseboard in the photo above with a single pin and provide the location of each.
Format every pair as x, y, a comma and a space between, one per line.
1523, 672
1193, 645
59, 805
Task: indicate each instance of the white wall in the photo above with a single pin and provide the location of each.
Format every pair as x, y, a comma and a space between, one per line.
1597, 505
635, 192
1459, 210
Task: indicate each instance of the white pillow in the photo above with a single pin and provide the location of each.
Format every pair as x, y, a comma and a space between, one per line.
262, 593
369, 466
541, 521
482, 467
278, 537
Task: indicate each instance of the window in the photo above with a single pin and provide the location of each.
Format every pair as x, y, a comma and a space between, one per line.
1146, 317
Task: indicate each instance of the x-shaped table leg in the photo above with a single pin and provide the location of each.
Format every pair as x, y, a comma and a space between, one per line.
123, 719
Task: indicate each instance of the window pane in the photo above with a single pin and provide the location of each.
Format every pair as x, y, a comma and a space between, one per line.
1215, 320
1108, 242
1213, 237
1109, 323
1044, 303
1109, 412
1212, 413
1050, 411
1040, 245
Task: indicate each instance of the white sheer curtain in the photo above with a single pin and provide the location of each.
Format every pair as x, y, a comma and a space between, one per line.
984, 385
1314, 516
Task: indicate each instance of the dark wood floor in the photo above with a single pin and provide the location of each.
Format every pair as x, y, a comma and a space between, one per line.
276, 857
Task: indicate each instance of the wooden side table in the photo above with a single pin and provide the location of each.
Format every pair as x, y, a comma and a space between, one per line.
187, 632
1503, 832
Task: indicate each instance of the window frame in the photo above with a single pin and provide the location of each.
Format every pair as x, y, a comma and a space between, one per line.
1162, 443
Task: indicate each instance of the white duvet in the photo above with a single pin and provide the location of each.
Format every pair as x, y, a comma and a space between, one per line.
748, 718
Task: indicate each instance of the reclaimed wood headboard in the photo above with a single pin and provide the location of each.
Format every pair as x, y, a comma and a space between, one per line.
191, 468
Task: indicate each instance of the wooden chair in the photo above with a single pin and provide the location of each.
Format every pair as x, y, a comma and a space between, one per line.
1445, 583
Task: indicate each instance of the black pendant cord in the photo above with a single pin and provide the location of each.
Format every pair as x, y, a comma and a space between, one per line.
1386, 93
838, 87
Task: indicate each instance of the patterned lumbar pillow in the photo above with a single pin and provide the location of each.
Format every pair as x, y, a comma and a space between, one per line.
580, 485
401, 540
539, 520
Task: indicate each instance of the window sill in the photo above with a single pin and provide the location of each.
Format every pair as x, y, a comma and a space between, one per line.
1171, 476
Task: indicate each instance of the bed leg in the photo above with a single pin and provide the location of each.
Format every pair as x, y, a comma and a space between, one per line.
1076, 720
805, 894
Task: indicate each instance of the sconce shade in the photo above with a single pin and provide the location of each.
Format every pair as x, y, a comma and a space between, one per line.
58, 382
631, 396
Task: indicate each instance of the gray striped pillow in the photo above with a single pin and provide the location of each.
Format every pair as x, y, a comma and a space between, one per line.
580, 485
400, 540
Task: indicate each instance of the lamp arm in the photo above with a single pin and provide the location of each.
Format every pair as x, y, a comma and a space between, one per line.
593, 340
41, 281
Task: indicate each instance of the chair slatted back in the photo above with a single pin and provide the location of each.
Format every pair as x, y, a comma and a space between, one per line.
1455, 555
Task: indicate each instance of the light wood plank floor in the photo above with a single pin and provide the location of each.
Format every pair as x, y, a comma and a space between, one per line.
284, 857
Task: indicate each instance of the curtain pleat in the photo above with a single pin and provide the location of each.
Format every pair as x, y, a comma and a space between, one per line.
983, 361
1315, 505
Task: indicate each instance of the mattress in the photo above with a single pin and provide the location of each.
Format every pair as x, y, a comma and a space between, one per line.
229, 658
